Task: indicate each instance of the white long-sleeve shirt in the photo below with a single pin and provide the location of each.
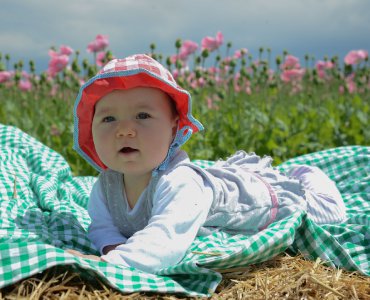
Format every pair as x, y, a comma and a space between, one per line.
180, 207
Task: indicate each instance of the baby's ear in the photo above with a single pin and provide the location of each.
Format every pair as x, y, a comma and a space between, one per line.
175, 123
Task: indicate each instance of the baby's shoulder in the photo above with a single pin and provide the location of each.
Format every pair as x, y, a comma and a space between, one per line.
181, 172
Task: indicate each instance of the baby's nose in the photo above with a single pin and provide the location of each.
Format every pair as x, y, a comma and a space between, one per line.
125, 129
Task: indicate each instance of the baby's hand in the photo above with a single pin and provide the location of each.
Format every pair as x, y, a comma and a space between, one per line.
79, 254
109, 248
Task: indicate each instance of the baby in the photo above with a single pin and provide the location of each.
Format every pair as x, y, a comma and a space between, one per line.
150, 202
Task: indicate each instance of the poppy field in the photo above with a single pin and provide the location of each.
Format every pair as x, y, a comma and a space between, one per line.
273, 105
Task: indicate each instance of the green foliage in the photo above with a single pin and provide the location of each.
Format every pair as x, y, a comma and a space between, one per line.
47, 118
271, 122
242, 103
280, 124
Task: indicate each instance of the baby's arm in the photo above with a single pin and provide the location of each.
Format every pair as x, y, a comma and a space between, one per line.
102, 231
181, 205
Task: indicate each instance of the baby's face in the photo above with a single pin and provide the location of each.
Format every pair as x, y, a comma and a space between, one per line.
133, 129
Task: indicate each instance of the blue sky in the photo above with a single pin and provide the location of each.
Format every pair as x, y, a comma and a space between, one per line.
315, 27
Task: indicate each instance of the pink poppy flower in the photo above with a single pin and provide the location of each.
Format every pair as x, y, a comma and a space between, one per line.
174, 58
181, 56
65, 50
355, 56
322, 66
240, 53
100, 59
99, 44
291, 62
25, 85
292, 75
188, 47
57, 63
213, 70
175, 74
350, 84
211, 43
5, 76
25, 75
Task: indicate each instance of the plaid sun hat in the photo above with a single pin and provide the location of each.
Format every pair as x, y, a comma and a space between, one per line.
120, 74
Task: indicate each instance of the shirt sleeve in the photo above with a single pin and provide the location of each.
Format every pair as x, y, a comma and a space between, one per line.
180, 207
102, 231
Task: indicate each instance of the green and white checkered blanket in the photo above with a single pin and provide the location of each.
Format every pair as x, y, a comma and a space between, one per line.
42, 212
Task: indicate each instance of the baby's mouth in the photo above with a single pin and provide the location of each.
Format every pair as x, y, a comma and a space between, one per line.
128, 150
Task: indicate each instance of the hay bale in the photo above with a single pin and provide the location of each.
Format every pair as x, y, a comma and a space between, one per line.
283, 277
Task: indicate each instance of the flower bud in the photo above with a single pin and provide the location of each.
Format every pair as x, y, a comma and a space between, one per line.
278, 60
17, 76
91, 71
32, 66
152, 46
178, 64
221, 94
168, 61
43, 77
205, 53
109, 55
85, 64
75, 66
243, 72
198, 74
178, 44
254, 67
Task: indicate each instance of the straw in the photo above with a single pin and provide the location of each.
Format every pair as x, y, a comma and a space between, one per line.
284, 277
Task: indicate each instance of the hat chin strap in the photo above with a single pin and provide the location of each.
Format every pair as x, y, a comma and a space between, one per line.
181, 137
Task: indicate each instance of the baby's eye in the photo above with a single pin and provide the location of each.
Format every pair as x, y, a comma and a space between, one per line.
142, 115
108, 119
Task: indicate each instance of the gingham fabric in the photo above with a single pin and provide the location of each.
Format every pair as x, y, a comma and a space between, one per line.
139, 61
42, 212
